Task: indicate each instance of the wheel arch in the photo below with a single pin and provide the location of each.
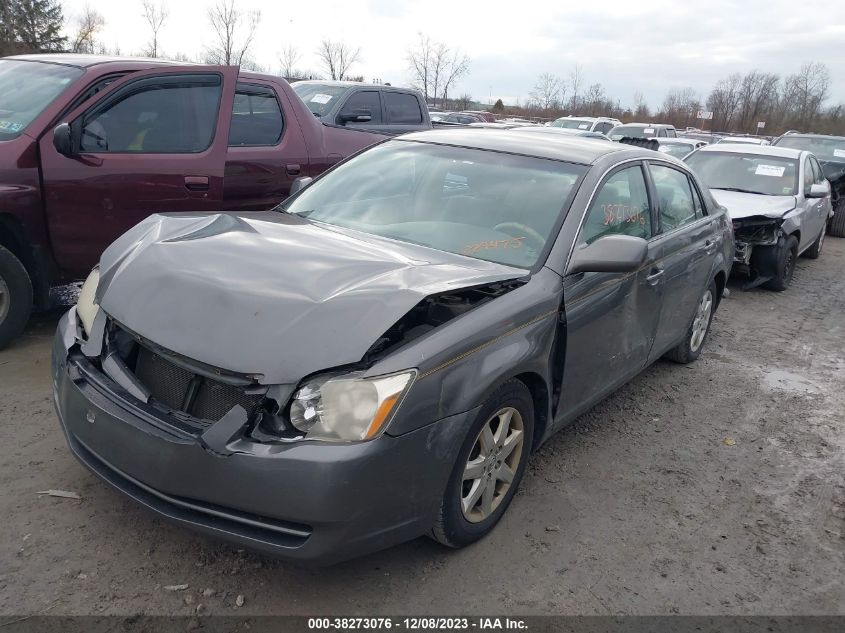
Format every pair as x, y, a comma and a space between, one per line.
13, 237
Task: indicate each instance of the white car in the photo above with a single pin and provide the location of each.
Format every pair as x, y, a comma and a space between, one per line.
600, 124
743, 140
679, 147
778, 200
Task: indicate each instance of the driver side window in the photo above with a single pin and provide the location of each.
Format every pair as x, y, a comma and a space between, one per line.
359, 102
620, 207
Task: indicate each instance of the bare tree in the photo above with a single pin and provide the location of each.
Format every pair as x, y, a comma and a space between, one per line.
234, 30
88, 24
288, 58
757, 93
595, 101
420, 65
548, 91
435, 67
337, 57
805, 92
453, 68
641, 110
681, 106
724, 101
464, 102
576, 80
155, 15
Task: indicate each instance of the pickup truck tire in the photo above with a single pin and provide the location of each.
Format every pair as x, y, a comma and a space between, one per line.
786, 255
690, 348
478, 467
816, 248
15, 296
836, 224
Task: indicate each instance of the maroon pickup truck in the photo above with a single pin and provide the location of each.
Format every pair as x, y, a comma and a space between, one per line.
89, 146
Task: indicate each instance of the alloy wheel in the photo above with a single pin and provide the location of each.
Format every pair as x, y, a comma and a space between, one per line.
701, 321
492, 464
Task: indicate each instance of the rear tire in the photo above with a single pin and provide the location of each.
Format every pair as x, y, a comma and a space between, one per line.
836, 224
478, 492
15, 297
688, 350
786, 255
816, 249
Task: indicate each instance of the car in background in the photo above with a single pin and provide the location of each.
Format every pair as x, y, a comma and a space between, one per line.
744, 140
678, 147
830, 151
451, 300
588, 124
372, 107
642, 130
778, 200
489, 117
542, 129
462, 118
707, 137
437, 116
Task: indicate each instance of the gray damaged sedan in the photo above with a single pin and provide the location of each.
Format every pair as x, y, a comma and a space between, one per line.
376, 358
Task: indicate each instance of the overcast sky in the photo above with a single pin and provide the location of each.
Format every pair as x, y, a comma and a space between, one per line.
636, 45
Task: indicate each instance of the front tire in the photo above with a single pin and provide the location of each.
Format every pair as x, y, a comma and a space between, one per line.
489, 467
15, 297
688, 350
836, 224
785, 264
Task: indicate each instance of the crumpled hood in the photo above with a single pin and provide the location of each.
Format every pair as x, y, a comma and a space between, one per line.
271, 293
743, 205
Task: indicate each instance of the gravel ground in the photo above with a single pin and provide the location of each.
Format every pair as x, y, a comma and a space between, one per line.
717, 488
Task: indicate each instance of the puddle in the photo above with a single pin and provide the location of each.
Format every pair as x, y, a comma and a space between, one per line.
789, 381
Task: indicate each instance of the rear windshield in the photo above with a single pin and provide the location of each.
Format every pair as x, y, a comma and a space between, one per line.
573, 124
751, 173
826, 149
488, 205
26, 89
320, 98
632, 131
678, 150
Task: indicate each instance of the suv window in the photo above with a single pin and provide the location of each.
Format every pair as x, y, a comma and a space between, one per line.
256, 117
604, 128
363, 100
173, 115
674, 197
670, 132
620, 207
402, 108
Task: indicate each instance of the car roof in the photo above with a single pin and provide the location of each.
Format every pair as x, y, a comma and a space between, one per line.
573, 149
86, 61
686, 141
809, 135
646, 125
334, 82
757, 150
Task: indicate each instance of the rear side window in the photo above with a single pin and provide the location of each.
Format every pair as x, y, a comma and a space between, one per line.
256, 117
619, 208
363, 102
402, 108
604, 128
171, 115
670, 132
674, 197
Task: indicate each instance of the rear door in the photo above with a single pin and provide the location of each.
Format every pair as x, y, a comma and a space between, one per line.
611, 318
690, 240
402, 111
153, 141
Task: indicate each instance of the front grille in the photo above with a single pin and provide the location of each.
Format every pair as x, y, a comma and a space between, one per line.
182, 390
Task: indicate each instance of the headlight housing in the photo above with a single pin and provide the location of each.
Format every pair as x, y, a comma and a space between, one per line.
86, 308
347, 407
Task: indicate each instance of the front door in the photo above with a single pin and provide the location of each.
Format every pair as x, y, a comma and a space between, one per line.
611, 318
152, 142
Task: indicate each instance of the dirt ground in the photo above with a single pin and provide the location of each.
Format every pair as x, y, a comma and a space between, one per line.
717, 488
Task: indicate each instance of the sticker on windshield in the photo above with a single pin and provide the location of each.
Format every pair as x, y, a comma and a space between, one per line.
664, 148
770, 170
584, 126
10, 126
839, 153
321, 98
648, 130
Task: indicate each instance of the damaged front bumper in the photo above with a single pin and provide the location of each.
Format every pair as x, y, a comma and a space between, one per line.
752, 233
307, 501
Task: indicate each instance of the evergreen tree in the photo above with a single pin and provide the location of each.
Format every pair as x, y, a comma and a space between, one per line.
30, 26
498, 107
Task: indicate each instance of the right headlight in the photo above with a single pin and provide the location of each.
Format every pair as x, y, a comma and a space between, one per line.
86, 308
348, 407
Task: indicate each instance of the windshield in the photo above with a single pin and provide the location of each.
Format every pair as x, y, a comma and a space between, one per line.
678, 150
767, 175
826, 149
573, 124
632, 131
26, 88
320, 98
483, 204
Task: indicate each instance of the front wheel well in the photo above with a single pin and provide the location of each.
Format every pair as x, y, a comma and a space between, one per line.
13, 237
720, 279
540, 396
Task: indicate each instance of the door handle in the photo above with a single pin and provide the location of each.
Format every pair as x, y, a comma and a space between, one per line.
709, 247
196, 183
293, 169
656, 275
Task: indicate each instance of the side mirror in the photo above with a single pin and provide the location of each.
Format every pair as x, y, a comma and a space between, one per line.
609, 254
819, 190
299, 184
358, 116
62, 139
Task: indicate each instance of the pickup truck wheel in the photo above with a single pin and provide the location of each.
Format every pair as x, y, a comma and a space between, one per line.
786, 254
690, 348
489, 467
836, 224
816, 249
15, 297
